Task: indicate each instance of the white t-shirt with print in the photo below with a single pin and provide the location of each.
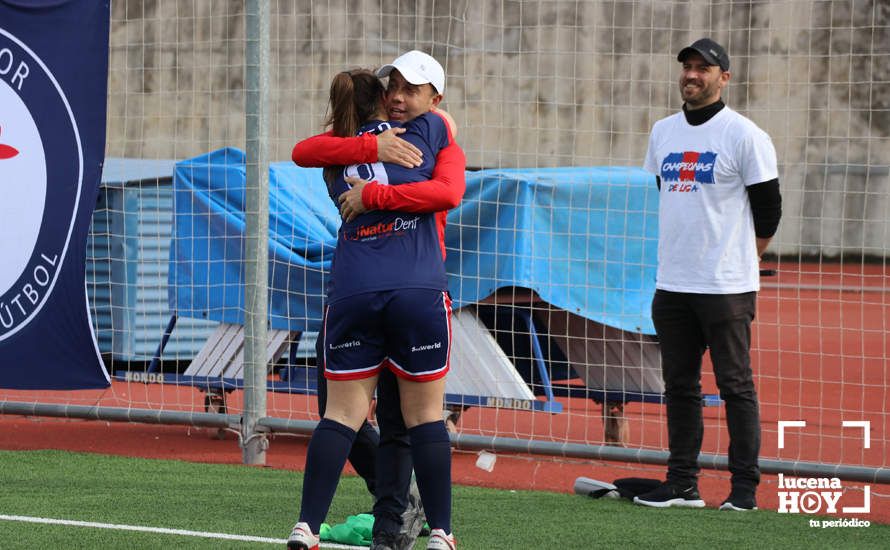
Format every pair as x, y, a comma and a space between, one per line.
706, 241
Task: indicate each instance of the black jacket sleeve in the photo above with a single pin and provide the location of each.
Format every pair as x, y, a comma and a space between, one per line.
766, 206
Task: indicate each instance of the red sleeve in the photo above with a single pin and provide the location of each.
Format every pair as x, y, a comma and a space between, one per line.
443, 192
327, 150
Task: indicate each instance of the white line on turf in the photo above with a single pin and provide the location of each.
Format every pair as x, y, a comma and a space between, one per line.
163, 530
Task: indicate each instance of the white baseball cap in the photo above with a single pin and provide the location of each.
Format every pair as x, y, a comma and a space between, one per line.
417, 68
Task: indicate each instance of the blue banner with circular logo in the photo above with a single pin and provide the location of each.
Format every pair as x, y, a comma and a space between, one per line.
53, 92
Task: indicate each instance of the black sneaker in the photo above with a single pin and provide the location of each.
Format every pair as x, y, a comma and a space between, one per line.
413, 518
740, 500
386, 541
667, 494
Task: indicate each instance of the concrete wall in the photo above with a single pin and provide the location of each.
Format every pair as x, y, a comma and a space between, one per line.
541, 84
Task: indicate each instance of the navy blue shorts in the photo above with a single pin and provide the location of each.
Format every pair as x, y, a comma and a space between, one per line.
407, 331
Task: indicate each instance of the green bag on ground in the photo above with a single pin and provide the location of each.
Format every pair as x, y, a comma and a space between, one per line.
356, 531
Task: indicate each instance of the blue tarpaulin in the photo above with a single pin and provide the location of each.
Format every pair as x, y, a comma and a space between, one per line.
206, 255
584, 239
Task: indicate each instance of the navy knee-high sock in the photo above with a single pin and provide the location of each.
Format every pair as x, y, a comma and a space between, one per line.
325, 458
431, 451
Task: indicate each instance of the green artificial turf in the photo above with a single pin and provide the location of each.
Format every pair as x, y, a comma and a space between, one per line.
263, 502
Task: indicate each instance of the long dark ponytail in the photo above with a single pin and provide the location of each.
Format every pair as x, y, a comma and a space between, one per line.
354, 99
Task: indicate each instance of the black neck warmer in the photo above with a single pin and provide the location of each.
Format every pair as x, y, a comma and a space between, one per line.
700, 116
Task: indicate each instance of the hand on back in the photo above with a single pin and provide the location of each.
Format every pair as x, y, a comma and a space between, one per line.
351, 204
391, 148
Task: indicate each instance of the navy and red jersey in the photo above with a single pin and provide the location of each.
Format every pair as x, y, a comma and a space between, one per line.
390, 249
441, 193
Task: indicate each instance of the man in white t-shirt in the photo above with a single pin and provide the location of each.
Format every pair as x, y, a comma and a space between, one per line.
719, 206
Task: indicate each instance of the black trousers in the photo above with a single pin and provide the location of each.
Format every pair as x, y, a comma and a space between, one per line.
394, 462
688, 324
